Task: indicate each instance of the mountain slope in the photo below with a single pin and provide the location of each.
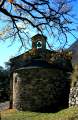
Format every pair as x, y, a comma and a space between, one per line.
74, 49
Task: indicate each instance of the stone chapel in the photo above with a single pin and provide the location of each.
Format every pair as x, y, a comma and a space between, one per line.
40, 78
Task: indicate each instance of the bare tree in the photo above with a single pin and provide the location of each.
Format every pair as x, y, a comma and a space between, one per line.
52, 17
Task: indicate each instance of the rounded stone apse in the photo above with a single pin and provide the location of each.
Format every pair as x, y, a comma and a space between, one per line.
40, 89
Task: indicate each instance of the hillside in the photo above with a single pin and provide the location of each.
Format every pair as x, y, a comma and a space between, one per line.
74, 49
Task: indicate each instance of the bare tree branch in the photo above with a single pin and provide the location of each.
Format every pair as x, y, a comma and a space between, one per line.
46, 16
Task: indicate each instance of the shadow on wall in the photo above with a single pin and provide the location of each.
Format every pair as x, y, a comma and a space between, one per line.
41, 90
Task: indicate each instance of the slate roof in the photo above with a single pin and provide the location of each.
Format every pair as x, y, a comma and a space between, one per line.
38, 60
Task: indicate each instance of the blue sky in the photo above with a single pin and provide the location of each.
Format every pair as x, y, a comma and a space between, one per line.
6, 51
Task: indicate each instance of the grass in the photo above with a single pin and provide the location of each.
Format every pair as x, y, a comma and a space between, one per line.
67, 114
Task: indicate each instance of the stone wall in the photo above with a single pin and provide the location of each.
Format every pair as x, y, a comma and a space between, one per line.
41, 89
73, 96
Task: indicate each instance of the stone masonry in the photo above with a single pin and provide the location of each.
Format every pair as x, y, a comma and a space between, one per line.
40, 89
73, 96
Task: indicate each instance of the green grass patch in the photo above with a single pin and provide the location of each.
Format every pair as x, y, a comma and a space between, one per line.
67, 114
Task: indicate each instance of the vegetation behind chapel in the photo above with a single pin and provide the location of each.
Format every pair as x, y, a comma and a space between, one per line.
4, 84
